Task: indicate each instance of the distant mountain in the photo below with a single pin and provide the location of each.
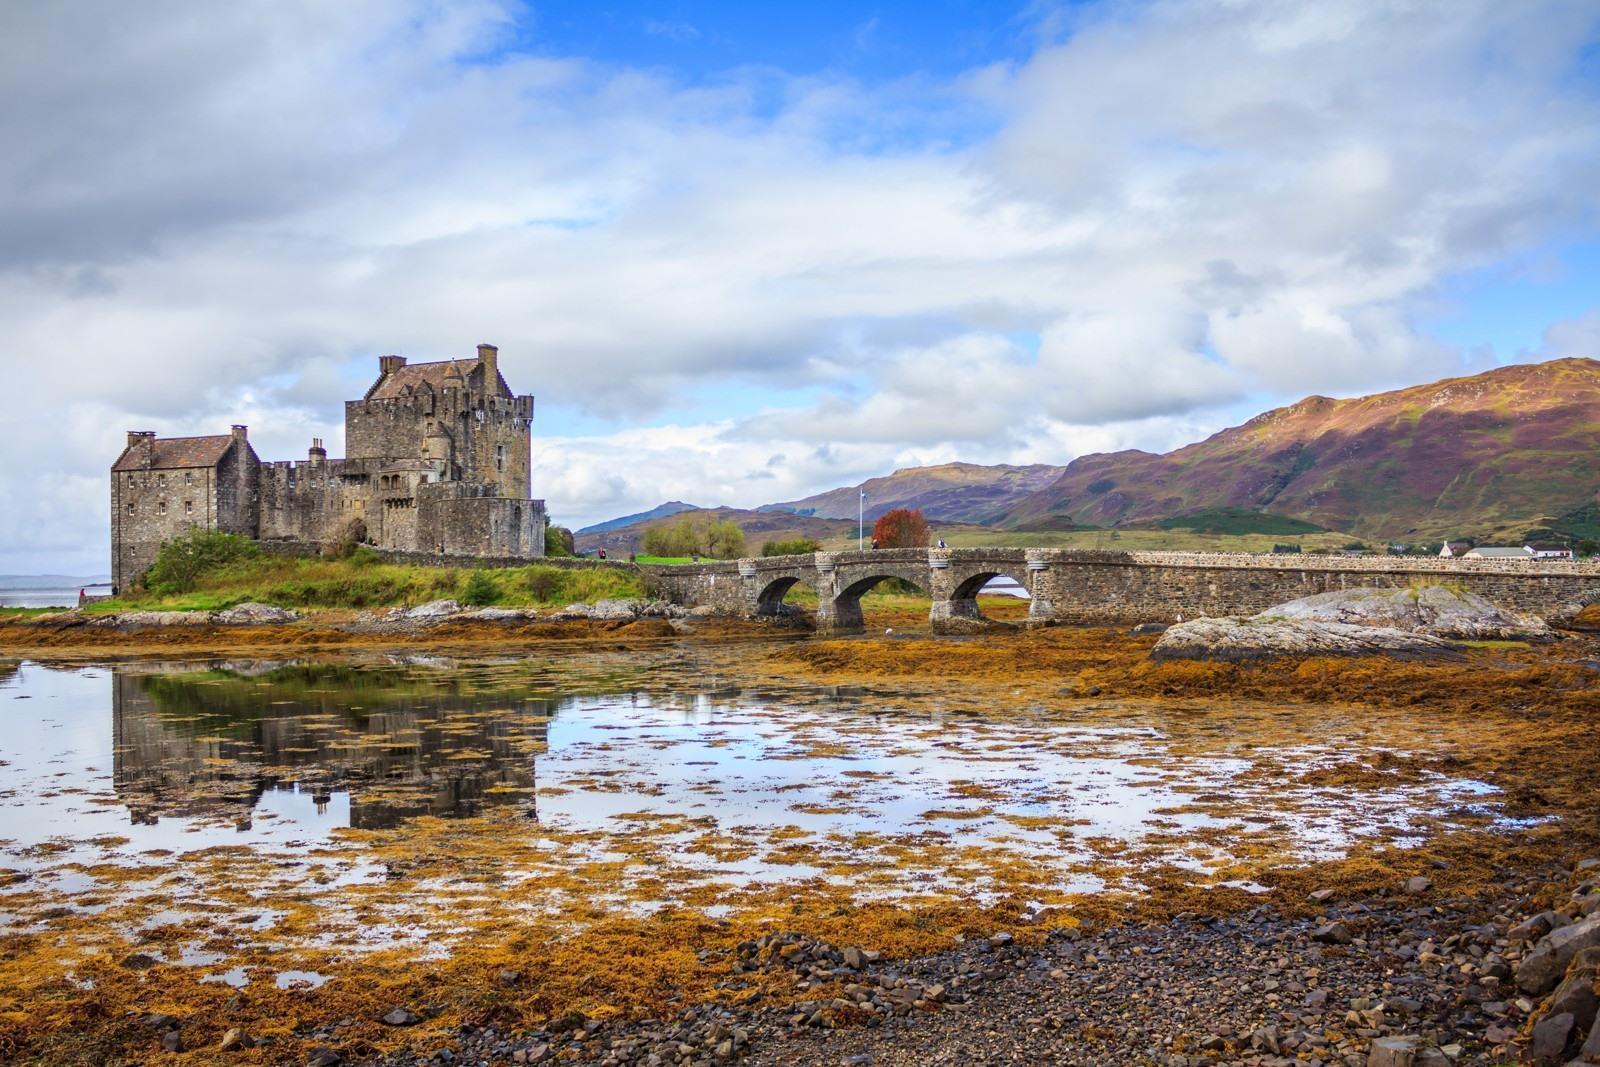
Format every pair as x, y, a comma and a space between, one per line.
950, 492
758, 527
671, 507
1501, 450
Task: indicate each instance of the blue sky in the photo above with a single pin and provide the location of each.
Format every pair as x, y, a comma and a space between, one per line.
743, 253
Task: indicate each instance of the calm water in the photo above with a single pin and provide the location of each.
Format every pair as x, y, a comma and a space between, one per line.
105, 764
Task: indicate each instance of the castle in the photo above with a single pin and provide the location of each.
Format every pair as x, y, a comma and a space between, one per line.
438, 462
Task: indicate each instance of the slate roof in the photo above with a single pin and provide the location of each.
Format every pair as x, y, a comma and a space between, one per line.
1498, 552
414, 376
170, 452
435, 376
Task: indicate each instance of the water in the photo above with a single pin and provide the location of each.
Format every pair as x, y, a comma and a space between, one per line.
43, 598
164, 790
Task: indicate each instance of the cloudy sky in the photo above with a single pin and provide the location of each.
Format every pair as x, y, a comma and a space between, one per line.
741, 254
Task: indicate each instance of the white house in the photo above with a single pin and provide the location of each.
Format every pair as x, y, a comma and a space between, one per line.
1453, 549
1548, 550
1496, 552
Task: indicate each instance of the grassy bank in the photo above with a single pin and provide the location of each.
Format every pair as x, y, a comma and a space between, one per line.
314, 584
1175, 540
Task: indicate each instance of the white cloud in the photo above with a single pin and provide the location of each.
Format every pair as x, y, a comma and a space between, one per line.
223, 215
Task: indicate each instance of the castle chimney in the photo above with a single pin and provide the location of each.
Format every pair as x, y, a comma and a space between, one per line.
137, 437
241, 432
489, 357
389, 364
316, 454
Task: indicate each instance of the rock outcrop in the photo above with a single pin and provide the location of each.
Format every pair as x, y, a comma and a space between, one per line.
1238, 640
1418, 622
1436, 610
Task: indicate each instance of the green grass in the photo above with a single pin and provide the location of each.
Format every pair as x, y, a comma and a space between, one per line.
1238, 521
312, 584
24, 613
663, 559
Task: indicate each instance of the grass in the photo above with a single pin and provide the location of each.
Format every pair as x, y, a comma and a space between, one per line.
1239, 521
23, 613
322, 584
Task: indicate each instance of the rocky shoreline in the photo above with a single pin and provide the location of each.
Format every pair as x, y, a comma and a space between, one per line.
1409, 978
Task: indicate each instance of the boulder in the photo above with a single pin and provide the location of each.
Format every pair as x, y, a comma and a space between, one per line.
1436, 610
1542, 968
255, 615
1393, 1052
434, 609
1550, 1037
500, 614
1575, 995
1261, 637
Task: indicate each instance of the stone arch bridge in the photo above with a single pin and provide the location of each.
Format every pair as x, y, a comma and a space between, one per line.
1076, 586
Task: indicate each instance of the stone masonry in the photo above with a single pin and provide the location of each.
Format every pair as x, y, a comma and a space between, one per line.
438, 462
1108, 587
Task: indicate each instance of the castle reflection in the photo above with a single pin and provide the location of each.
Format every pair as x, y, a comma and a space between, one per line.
400, 741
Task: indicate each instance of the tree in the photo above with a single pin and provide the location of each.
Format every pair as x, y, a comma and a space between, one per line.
558, 540
901, 528
724, 540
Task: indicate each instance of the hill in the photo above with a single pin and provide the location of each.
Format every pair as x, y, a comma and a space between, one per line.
1498, 451
661, 511
949, 492
758, 527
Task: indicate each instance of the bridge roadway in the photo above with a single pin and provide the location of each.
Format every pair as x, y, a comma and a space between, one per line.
1077, 586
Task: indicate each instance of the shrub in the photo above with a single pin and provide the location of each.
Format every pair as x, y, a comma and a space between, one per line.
182, 561
480, 590
541, 583
901, 528
800, 546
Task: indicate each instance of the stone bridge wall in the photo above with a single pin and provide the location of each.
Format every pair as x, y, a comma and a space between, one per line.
1108, 587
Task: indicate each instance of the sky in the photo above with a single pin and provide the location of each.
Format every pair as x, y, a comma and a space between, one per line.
741, 253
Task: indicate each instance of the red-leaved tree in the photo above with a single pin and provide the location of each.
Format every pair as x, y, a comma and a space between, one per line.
901, 528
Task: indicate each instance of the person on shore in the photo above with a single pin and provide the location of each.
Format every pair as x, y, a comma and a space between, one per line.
602, 553
874, 544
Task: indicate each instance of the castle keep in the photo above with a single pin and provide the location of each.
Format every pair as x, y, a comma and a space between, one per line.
438, 461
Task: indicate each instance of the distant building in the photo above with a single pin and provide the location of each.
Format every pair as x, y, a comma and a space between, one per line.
1497, 552
439, 458
1548, 550
1455, 549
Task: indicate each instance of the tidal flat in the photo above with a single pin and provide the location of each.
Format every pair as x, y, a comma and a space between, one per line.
273, 844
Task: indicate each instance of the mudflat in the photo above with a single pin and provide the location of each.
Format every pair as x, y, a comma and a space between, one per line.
620, 842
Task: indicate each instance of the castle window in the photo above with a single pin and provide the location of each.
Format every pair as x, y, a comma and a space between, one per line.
130, 507
500, 458
188, 479
161, 508
161, 480
188, 507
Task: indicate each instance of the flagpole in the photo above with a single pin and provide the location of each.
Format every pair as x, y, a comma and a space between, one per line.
861, 523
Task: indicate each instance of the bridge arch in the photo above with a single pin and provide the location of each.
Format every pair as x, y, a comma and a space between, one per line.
964, 597
847, 611
770, 600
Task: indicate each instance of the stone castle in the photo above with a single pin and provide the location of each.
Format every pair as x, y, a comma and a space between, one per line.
438, 462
